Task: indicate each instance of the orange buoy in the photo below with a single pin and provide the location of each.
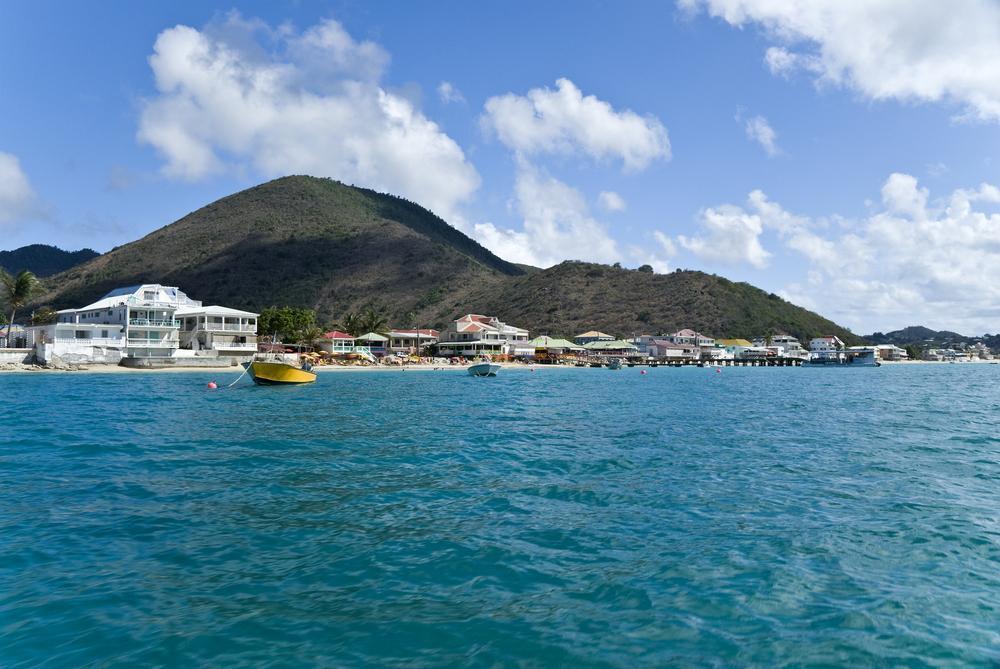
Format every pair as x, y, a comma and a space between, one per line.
212, 385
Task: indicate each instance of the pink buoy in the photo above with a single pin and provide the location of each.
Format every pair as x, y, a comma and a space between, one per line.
718, 370
643, 371
212, 385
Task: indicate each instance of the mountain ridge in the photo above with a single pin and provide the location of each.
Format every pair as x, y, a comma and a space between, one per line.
44, 259
318, 243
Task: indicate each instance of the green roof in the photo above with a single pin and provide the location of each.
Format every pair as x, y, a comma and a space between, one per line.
610, 345
551, 342
372, 336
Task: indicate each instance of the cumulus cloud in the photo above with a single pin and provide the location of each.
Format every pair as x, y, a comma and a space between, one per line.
611, 201
448, 93
558, 225
240, 94
760, 131
564, 121
17, 197
731, 236
916, 260
884, 49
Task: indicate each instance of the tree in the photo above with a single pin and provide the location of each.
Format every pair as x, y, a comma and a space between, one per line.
646, 268
287, 323
914, 352
44, 316
374, 320
351, 323
16, 291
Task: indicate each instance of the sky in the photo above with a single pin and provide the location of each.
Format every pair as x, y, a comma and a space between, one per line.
840, 154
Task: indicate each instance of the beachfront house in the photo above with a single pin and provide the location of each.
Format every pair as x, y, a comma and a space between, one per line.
474, 334
226, 331
891, 352
616, 348
139, 322
376, 343
412, 342
552, 350
784, 345
592, 335
688, 336
336, 342
661, 348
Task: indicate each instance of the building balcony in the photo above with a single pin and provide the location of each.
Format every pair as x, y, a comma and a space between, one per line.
153, 323
226, 327
252, 348
89, 341
153, 343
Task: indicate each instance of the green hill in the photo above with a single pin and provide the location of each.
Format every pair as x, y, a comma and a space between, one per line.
299, 241
572, 297
317, 243
42, 259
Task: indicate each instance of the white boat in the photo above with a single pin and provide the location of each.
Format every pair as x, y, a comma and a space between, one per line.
484, 369
615, 363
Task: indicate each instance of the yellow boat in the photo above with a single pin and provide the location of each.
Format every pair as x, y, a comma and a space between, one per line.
278, 373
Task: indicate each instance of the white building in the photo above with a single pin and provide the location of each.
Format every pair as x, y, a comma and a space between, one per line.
784, 345
826, 343
412, 342
688, 336
221, 329
890, 352
474, 334
141, 322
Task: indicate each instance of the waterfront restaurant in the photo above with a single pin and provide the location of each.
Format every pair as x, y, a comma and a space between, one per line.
412, 342
474, 334
374, 342
592, 335
616, 348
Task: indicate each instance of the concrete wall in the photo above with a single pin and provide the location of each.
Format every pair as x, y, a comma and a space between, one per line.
78, 353
16, 355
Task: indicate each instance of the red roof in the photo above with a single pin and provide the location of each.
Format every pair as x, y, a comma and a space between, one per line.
431, 333
336, 334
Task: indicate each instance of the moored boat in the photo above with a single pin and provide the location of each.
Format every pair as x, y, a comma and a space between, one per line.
484, 369
615, 363
274, 373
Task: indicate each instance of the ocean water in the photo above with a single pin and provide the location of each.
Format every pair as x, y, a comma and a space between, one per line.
584, 518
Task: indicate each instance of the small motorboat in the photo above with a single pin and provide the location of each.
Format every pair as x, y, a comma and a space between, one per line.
484, 369
275, 373
615, 363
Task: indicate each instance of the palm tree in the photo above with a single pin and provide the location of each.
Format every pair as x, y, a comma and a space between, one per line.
16, 291
374, 320
351, 323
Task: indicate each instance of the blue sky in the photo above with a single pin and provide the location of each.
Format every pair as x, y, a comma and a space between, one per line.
874, 202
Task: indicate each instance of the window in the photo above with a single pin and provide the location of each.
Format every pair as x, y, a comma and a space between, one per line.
81, 334
104, 334
149, 295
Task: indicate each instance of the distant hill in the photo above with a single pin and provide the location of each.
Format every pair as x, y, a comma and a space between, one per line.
299, 241
317, 243
918, 335
572, 297
43, 260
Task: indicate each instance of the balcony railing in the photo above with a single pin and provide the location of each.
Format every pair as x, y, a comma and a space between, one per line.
227, 327
234, 347
93, 341
153, 323
154, 343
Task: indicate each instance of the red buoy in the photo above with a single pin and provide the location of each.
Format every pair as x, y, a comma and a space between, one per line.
212, 385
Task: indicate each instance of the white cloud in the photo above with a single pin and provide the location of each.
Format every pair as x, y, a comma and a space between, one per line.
760, 131
611, 201
885, 49
17, 197
913, 261
564, 121
732, 236
448, 93
557, 225
310, 105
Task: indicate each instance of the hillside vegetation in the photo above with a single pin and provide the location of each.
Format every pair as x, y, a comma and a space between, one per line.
299, 241
574, 296
43, 260
317, 243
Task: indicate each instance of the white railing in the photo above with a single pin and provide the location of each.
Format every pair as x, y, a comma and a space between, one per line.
227, 327
93, 341
154, 343
151, 322
234, 347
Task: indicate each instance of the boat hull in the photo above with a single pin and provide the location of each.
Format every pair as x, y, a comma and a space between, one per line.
278, 374
484, 369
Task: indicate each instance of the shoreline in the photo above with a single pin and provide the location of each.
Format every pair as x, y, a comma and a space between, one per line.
334, 369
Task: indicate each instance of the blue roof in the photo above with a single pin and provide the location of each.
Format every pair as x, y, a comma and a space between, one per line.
123, 291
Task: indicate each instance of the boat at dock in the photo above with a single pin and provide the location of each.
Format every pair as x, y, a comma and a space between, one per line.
278, 373
850, 358
484, 369
615, 363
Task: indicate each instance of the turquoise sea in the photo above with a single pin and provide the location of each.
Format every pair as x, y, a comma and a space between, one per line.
584, 518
